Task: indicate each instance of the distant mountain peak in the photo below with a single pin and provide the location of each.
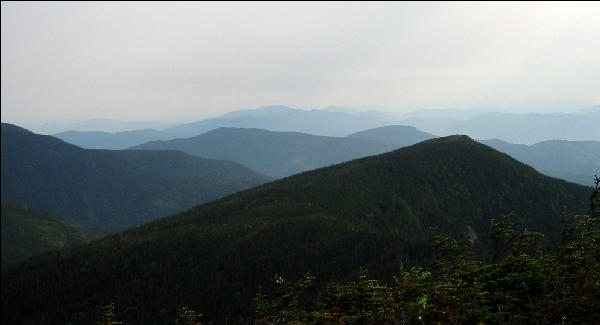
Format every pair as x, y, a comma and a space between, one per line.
394, 135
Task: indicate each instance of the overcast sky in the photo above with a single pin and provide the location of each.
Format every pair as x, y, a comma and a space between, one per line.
173, 61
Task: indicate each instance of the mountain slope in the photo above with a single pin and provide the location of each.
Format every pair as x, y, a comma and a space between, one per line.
27, 232
277, 154
575, 161
116, 189
396, 136
369, 212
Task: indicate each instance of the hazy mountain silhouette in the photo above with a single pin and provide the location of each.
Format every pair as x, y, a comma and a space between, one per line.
575, 161
396, 136
530, 128
99, 125
277, 154
106, 140
339, 121
283, 118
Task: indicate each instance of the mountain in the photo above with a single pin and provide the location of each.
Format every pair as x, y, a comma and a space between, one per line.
396, 136
575, 161
276, 154
27, 232
100, 125
273, 118
111, 189
339, 121
449, 113
282, 118
373, 212
529, 128
106, 140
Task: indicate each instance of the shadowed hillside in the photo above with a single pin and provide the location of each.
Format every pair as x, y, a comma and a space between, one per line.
27, 232
111, 189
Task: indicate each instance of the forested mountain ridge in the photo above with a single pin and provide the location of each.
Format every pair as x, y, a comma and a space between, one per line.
111, 189
27, 232
276, 154
373, 212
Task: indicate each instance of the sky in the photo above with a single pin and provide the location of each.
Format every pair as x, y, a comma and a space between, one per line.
64, 61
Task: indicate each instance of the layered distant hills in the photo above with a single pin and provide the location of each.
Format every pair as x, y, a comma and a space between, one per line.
277, 154
107, 140
480, 124
530, 128
575, 161
272, 118
111, 189
280, 154
27, 232
98, 124
373, 212
286, 119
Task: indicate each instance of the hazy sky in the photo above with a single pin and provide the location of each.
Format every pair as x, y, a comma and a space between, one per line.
148, 61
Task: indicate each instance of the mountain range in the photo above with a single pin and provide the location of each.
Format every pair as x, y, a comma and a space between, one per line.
107, 188
376, 212
530, 128
108, 140
575, 161
280, 154
99, 125
339, 122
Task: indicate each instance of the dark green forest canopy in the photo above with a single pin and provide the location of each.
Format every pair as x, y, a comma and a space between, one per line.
27, 232
111, 189
371, 212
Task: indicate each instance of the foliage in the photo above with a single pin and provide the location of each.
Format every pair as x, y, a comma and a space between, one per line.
517, 287
27, 231
187, 316
285, 303
107, 316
